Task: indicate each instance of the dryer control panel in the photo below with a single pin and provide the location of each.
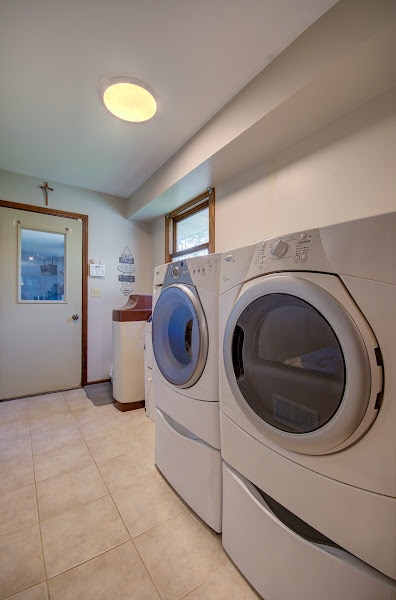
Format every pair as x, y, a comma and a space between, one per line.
297, 251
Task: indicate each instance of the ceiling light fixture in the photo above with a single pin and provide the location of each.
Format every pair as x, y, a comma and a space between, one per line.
128, 99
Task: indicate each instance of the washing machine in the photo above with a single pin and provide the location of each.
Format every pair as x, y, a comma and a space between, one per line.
186, 382
308, 411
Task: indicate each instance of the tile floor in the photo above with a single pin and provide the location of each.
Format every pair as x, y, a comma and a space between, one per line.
84, 513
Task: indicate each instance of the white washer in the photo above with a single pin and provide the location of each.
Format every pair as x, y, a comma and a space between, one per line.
185, 382
308, 411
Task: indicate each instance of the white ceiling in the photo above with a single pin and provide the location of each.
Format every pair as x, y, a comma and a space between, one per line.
196, 55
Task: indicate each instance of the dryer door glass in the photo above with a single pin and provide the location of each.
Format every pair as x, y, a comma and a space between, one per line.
180, 338
288, 363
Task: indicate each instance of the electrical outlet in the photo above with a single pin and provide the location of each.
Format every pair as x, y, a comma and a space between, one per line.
96, 293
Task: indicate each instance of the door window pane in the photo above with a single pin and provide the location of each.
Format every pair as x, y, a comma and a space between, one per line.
42, 266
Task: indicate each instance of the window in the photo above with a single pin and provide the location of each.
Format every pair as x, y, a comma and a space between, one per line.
189, 230
41, 266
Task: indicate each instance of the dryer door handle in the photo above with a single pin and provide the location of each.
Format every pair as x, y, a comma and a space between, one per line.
237, 352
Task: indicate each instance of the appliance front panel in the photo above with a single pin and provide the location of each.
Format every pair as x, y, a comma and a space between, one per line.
298, 364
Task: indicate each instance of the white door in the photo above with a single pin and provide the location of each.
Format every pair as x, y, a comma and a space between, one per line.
40, 302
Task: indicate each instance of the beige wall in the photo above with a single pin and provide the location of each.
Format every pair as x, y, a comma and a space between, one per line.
343, 171
108, 233
309, 142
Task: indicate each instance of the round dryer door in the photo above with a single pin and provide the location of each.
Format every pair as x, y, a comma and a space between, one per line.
302, 362
180, 335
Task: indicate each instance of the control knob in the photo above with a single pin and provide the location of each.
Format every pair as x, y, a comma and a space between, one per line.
279, 248
175, 272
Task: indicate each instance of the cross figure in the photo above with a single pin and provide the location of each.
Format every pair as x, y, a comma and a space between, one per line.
46, 189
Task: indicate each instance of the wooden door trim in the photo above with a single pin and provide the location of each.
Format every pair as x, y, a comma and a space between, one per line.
55, 212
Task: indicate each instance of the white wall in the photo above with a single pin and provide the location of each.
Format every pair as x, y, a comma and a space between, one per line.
343, 171
108, 233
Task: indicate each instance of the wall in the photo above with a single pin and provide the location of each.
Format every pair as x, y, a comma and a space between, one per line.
343, 60
158, 243
343, 171
108, 233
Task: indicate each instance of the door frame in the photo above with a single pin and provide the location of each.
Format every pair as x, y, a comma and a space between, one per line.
55, 212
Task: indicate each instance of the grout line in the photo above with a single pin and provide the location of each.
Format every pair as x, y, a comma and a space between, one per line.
37, 508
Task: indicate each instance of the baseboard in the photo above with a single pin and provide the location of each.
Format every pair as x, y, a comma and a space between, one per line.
124, 406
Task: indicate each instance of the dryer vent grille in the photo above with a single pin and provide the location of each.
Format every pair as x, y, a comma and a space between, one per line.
298, 418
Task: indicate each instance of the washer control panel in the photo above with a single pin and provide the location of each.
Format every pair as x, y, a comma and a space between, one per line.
200, 271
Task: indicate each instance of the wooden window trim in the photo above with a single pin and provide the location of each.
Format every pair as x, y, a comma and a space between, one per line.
206, 199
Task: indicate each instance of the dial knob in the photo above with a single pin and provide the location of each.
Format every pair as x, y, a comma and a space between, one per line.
175, 272
279, 248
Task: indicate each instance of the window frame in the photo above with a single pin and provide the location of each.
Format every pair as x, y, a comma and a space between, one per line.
197, 204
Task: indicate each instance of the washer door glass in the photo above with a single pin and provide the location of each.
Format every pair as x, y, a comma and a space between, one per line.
180, 336
288, 363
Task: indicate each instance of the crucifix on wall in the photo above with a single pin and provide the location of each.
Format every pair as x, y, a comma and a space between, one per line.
46, 189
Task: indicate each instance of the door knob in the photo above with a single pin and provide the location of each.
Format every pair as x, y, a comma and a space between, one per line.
75, 317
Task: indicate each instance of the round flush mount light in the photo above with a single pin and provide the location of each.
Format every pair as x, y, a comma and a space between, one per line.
128, 99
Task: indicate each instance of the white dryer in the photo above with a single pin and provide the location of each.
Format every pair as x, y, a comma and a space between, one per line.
308, 411
186, 381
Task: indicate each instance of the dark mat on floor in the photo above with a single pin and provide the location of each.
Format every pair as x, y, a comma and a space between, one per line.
100, 393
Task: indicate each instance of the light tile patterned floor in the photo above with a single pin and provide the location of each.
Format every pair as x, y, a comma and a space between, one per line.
85, 515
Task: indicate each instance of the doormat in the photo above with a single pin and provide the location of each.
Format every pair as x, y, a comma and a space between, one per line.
100, 393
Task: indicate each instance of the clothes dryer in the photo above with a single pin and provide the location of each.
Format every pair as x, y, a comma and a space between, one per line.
308, 407
185, 381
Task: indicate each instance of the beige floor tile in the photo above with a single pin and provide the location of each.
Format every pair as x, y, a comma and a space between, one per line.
46, 440
146, 435
181, 554
98, 427
78, 402
69, 490
38, 592
78, 535
127, 469
147, 504
74, 393
18, 509
62, 460
21, 560
58, 410
46, 399
16, 473
49, 404
9, 430
15, 441
14, 411
51, 422
226, 584
114, 444
136, 417
96, 413
117, 574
